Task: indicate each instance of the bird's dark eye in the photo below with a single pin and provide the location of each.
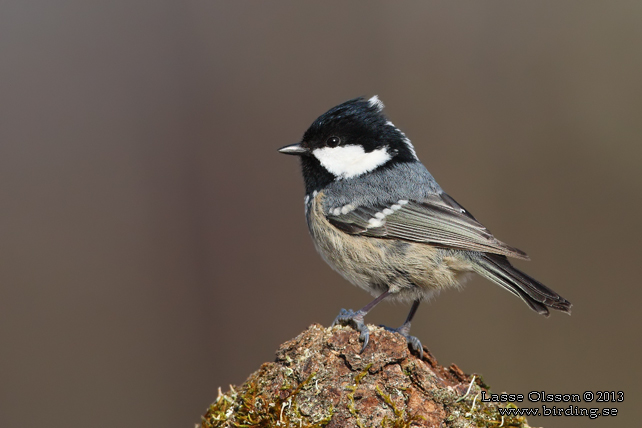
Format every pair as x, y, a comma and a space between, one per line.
333, 141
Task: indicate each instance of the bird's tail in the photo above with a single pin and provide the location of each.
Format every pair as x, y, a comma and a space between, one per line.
535, 294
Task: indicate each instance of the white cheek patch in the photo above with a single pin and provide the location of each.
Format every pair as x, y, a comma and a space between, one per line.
351, 160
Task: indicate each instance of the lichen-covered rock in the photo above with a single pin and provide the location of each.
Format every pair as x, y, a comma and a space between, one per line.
319, 379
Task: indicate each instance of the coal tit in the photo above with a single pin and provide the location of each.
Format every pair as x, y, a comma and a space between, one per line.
379, 218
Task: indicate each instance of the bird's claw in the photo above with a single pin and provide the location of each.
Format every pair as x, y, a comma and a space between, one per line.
355, 320
413, 342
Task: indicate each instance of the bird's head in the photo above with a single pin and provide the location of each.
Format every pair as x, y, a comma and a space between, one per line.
350, 140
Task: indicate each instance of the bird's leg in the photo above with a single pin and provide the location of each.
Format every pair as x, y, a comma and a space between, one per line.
355, 319
404, 330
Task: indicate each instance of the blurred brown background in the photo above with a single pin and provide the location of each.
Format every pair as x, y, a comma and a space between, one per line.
153, 243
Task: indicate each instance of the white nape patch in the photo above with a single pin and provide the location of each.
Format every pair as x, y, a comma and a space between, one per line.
376, 102
406, 140
351, 160
410, 146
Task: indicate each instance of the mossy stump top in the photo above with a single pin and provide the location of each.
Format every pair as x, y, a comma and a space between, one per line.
319, 379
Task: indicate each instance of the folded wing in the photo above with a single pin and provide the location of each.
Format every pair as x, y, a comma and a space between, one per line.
437, 219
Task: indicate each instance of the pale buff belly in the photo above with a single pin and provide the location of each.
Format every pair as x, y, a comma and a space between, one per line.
409, 270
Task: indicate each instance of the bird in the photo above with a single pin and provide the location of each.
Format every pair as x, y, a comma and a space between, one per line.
379, 218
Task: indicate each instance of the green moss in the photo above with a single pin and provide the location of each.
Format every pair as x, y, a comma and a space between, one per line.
481, 414
351, 405
401, 419
249, 408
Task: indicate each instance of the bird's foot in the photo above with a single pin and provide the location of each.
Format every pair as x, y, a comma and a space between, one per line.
354, 319
413, 342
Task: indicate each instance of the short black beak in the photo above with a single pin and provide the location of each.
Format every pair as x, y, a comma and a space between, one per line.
294, 149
